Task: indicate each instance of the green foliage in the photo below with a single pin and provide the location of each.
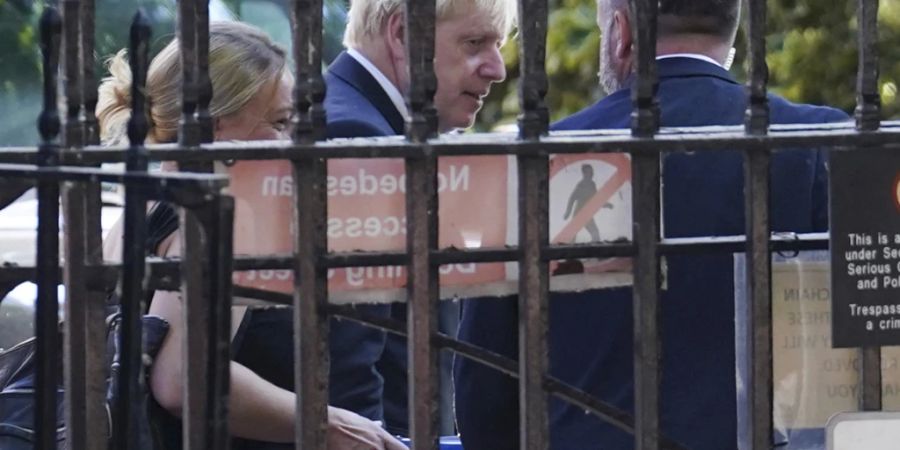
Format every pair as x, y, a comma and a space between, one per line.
812, 57
19, 68
813, 52
20, 58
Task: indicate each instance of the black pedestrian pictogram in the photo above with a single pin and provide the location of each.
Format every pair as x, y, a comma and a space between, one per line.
581, 195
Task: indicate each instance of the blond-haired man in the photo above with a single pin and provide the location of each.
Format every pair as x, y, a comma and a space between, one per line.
366, 85
468, 37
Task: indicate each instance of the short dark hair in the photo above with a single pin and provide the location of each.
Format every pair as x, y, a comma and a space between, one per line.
716, 17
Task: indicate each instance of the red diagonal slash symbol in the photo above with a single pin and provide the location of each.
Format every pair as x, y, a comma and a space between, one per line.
612, 185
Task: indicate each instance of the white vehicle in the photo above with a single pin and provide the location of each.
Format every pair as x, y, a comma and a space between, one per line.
18, 246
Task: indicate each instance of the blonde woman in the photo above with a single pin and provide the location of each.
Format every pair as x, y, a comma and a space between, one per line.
251, 101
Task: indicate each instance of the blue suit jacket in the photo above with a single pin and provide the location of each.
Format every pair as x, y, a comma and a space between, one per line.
355, 103
368, 369
590, 334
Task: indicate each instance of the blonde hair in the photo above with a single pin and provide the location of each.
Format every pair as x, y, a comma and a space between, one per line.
242, 59
367, 18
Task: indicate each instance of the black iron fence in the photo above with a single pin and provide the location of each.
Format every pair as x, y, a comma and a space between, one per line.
203, 274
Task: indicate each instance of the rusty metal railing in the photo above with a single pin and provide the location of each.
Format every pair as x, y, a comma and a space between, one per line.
206, 213
203, 274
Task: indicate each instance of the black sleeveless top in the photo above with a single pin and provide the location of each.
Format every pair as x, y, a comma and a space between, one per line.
264, 344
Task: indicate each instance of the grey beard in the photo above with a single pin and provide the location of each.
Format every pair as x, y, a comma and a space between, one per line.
607, 74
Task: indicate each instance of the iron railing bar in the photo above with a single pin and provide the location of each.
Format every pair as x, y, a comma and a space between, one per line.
188, 127
870, 379
757, 343
94, 304
76, 357
206, 424
175, 180
533, 176
217, 218
204, 84
534, 117
72, 82
591, 250
164, 272
779, 242
646, 232
130, 367
301, 13
613, 133
311, 328
360, 259
422, 124
206, 236
167, 268
868, 100
534, 287
721, 244
47, 310
196, 341
422, 227
264, 297
475, 255
645, 115
867, 114
385, 148
645, 123
186, 191
756, 121
76, 326
88, 78
840, 135
95, 312
422, 295
46, 316
316, 86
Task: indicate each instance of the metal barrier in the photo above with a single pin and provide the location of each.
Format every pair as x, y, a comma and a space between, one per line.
205, 274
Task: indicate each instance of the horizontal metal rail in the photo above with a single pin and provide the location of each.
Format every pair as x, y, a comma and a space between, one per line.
841, 136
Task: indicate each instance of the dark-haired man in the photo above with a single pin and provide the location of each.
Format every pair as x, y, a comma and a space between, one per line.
590, 334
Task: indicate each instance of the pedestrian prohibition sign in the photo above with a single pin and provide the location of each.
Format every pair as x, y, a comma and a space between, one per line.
586, 200
590, 193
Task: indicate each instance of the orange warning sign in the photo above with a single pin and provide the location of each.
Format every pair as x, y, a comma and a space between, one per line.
477, 208
367, 211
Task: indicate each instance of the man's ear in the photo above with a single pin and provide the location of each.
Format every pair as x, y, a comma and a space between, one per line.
622, 27
396, 36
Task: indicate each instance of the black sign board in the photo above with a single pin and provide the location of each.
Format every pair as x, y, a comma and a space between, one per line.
865, 248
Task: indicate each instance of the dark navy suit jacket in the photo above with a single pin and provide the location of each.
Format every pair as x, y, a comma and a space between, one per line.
366, 365
590, 334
